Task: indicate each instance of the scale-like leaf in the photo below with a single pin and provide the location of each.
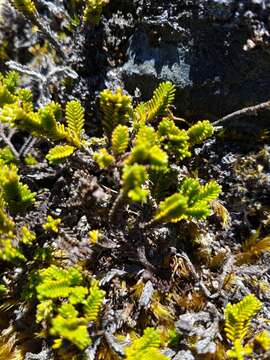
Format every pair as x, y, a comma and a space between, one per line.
146, 347
75, 117
59, 153
93, 302
158, 106
120, 139
200, 132
116, 108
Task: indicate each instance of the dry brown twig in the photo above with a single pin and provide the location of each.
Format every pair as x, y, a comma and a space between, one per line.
251, 110
196, 277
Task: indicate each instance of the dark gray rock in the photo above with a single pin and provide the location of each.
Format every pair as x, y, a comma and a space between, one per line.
215, 51
184, 355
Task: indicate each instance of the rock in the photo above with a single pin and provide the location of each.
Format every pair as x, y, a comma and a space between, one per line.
184, 355
187, 321
199, 45
215, 51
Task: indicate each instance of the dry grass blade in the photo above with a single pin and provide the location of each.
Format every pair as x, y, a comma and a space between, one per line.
8, 345
253, 249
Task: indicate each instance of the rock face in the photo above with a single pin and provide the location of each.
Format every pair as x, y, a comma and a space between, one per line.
215, 51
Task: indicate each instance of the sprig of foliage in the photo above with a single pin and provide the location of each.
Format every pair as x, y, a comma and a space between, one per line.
153, 157
116, 108
158, 106
7, 84
48, 123
237, 323
7, 156
6, 222
55, 282
253, 247
44, 311
103, 158
52, 224
11, 81
43, 123
16, 109
200, 132
27, 7
146, 150
94, 236
239, 351
93, 10
16, 194
120, 139
238, 317
13, 105
27, 236
192, 201
134, 176
263, 339
12, 245
93, 302
146, 347
70, 323
12, 238
175, 140
75, 117
8, 251
59, 153
5, 96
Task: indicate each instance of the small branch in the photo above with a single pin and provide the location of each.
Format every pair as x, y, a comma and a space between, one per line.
25, 70
61, 71
8, 142
11, 132
175, 118
265, 356
44, 81
143, 259
45, 30
227, 268
25, 145
117, 203
252, 110
148, 225
194, 273
152, 201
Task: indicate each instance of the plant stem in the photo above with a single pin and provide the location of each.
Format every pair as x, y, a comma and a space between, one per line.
195, 275
46, 31
252, 110
9, 143
149, 224
120, 199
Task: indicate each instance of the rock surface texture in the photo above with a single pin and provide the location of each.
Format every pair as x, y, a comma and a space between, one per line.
215, 51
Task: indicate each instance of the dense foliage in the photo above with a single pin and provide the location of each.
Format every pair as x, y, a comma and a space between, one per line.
99, 230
